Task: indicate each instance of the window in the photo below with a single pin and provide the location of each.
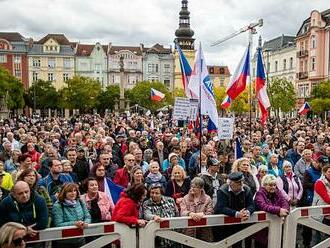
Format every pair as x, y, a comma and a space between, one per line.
66, 63
291, 63
284, 64
153, 68
268, 67
51, 63
98, 68
34, 76
303, 90
36, 62
17, 59
313, 41
276, 66
167, 68
3, 58
65, 77
51, 77
167, 83
313, 63
18, 73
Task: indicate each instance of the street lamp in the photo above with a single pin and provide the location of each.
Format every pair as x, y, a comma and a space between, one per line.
34, 98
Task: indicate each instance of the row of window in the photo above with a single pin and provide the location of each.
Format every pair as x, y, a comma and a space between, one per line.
303, 65
17, 59
284, 65
36, 62
51, 76
52, 48
154, 68
313, 43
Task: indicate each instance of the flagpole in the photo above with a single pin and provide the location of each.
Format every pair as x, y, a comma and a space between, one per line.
250, 81
200, 113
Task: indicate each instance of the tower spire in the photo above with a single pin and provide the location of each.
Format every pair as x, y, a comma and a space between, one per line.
184, 34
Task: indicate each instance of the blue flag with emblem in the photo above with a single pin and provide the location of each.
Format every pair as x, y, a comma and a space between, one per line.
201, 86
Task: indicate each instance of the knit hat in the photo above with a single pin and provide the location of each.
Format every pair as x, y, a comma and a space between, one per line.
172, 155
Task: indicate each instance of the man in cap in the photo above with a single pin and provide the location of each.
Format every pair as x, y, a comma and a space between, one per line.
235, 199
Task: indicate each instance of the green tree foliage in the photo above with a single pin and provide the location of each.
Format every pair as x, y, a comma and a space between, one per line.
106, 99
81, 93
12, 89
179, 92
46, 96
320, 101
281, 95
140, 94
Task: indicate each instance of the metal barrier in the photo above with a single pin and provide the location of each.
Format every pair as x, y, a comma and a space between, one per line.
304, 216
164, 229
109, 232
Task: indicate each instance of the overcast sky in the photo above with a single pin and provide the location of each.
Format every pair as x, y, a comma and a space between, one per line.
131, 22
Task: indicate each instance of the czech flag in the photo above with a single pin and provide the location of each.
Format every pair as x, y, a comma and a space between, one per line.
185, 70
238, 81
261, 89
226, 102
305, 108
156, 95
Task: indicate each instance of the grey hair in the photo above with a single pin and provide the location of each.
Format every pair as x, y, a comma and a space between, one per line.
268, 179
285, 163
198, 182
7, 232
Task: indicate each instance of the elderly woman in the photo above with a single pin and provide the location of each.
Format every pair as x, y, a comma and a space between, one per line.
262, 171
271, 200
158, 207
12, 235
290, 185
179, 184
69, 210
196, 204
99, 204
243, 165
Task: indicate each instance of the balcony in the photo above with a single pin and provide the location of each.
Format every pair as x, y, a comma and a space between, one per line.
302, 53
302, 75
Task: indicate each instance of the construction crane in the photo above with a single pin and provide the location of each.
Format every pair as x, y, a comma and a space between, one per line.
250, 27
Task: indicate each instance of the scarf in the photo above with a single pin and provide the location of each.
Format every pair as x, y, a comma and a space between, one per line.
69, 203
289, 175
155, 177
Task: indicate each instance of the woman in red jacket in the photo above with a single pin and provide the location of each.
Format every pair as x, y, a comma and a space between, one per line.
127, 208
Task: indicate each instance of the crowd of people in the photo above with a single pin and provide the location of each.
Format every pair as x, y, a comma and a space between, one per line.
58, 172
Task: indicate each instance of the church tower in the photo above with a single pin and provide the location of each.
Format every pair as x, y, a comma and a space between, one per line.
184, 37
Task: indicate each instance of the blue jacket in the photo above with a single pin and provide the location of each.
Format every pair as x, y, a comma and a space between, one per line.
32, 212
310, 177
293, 157
65, 215
48, 183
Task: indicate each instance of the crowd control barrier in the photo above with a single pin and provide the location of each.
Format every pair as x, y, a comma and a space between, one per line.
306, 216
109, 232
164, 229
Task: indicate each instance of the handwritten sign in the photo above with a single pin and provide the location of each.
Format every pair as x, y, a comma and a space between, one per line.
226, 128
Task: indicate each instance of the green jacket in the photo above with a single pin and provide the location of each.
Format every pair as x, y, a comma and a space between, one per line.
65, 215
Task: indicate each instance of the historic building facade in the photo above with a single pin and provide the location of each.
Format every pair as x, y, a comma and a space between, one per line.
91, 61
313, 52
52, 59
158, 65
220, 75
133, 68
279, 57
13, 55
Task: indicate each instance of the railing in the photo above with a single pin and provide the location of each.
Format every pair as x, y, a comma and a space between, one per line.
307, 217
302, 53
302, 75
111, 231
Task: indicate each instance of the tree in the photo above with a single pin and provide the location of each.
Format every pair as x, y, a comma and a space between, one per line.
179, 92
81, 93
320, 100
43, 94
282, 95
106, 99
11, 89
140, 95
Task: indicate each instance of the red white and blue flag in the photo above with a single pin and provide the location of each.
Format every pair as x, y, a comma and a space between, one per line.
226, 102
238, 81
185, 70
305, 108
201, 86
261, 89
156, 95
